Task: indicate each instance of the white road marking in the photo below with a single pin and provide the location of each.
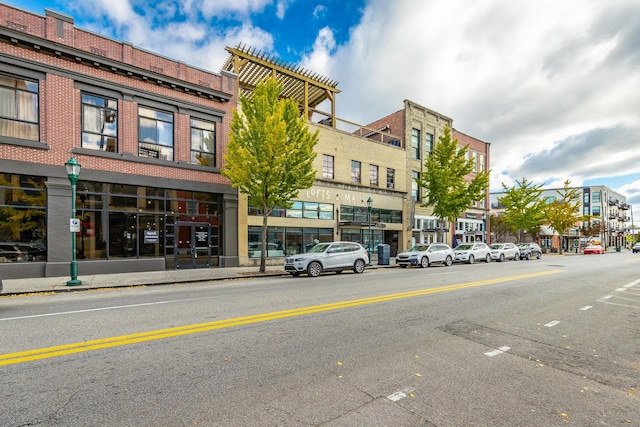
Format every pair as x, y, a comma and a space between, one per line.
116, 307
396, 396
497, 351
604, 298
552, 324
621, 289
586, 307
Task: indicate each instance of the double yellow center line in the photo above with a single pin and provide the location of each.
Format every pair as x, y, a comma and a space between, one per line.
63, 350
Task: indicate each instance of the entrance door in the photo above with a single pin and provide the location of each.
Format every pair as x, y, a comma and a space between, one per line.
192, 245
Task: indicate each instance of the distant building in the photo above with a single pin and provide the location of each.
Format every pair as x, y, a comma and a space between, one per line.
608, 224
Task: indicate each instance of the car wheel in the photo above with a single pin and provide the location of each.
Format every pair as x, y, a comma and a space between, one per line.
527, 257
516, 257
501, 258
358, 267
471, 259
487, 259
403, 266
448, 261
338, 271
539, 255
314, 269
424, 262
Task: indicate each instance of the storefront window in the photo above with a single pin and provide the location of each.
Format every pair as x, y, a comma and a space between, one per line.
23, 227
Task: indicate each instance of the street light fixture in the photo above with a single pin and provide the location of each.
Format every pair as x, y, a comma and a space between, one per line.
73, 171
369, 208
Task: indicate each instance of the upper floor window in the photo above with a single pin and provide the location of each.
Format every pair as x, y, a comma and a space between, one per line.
586, 197
203, 143
428, 143
415, 186
355, 172
474, 161
155, 134
596, 197
415, 143
99, 123
482, 165
327, 166
373, 175
391, 178
19, 108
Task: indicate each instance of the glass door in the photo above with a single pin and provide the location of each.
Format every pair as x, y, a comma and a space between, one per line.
192, 245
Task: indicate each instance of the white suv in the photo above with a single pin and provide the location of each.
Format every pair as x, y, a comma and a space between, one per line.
330, 256
470, 252
426, 254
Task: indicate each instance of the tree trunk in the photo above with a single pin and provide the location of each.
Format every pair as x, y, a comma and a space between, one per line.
263, 249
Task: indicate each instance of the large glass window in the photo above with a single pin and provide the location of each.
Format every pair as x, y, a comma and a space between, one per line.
285, 241
415, 187
373, 175
19, 108
310, 210
428, 143
203, 143
391, 178
155, 134
356, 172
99, 123
23, 226
415, 143
327, 166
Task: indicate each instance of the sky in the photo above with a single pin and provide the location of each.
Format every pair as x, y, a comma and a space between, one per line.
553, 85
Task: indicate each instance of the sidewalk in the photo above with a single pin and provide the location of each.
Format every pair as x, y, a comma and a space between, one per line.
146, 278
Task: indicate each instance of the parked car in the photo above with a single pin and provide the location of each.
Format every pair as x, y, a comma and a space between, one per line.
426, 254
9, 252
470, 252
329, 256
636, 248
502, 251
529, 250
593, 249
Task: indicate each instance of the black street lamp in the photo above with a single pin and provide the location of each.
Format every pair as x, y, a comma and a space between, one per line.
369, 208
73, 171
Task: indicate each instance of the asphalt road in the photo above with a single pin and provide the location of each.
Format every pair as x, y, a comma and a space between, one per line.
544, 342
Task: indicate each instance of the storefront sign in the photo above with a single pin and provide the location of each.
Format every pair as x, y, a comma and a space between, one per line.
345, 197
151, 237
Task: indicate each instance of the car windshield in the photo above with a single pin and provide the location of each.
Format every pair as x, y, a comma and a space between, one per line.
419, 248
320, 247
497, 246
463, 247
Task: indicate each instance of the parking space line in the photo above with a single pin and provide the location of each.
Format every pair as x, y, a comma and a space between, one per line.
552, 323
497, 351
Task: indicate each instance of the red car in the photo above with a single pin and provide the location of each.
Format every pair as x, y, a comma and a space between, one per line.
593, 249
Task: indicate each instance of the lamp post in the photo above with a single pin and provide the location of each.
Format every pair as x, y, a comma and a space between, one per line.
369, 208
484, 226
73, 170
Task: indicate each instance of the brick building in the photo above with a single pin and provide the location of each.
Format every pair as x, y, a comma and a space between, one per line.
149, 132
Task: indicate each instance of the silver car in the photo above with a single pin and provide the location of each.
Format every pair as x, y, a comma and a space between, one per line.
426, 254
330, 256
502, 251
470, 252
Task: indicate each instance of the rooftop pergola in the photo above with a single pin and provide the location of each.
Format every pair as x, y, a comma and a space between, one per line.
305, 87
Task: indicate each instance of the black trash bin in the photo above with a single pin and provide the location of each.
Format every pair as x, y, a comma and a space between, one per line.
384, 253
618, 248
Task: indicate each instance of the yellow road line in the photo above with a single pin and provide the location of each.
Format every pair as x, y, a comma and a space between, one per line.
62, 350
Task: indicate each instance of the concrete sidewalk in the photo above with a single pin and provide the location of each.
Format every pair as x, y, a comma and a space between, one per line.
146, 278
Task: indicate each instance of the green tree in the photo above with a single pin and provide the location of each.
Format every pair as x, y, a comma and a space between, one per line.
446, 186
499, 228
564, 211
270, 152
524, 208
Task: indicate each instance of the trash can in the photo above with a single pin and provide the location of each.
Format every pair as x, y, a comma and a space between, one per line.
384, 253
618, 248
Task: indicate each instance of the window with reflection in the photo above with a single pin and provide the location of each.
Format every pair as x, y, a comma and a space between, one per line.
23, 226
203, 143
155, 134
99, 123
19, 108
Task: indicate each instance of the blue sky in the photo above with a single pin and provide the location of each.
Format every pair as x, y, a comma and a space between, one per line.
552, 85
